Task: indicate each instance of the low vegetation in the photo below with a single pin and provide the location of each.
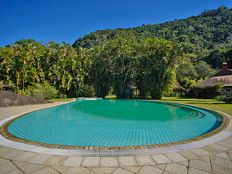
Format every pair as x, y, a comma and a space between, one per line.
40, 90
204, 103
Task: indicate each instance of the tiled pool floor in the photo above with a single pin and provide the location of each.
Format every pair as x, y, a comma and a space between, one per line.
214, 157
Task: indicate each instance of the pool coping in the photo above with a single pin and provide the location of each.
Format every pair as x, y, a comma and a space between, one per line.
222, 132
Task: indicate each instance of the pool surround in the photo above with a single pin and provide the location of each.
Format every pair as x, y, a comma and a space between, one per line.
5, 133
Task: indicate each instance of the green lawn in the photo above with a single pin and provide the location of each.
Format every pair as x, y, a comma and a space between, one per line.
204, 103
61, 99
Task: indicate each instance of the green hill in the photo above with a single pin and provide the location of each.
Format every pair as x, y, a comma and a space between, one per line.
206, 34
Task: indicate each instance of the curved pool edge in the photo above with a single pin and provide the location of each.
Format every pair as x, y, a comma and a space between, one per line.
220, 133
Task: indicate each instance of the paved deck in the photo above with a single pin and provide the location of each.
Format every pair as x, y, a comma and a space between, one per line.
215, 157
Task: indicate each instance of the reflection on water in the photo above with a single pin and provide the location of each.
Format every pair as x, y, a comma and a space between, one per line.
134, 110
114, 123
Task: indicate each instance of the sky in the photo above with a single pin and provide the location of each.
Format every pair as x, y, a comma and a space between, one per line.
68, 20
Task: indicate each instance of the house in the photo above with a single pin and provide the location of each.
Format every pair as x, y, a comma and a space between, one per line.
208, 88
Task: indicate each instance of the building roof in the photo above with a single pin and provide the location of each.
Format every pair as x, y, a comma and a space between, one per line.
224, 72
225, 80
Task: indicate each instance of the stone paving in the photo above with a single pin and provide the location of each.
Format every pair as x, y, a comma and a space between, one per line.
213, 158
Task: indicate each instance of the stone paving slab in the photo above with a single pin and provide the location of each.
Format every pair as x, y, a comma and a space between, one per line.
127, 161
91, 162
47, 170
125, 165
73, 161
175, 157
150, 170
133, 169
109, 161
103, 170
204, 166
196, 171
176, 168
25, 156
161, 159
144, 160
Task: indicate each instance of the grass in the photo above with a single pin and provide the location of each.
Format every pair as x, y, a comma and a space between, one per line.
61, 99
204, 103
110, 97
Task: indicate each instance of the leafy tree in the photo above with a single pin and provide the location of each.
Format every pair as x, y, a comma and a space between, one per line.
203, 70
101, 69
124, 71
185, 69
22, 62
66, 67
161, 58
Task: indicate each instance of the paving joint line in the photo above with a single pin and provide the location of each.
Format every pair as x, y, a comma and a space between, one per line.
153, 160
55, 169
201, 169
165, 165
17, 166
114, 170
223, 145
188, 166
89, 168
140, 168
211, 165
81, 163
44, 166
229, 156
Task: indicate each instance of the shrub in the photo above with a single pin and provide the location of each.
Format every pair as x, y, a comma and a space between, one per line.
62, 95
227, 97
40, 90
218, 98
86, 91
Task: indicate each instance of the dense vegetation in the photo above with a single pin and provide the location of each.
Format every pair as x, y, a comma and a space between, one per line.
146, 61
206, 37
27, 62
149, 64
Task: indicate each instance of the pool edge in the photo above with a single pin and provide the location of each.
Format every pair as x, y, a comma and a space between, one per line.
4, 132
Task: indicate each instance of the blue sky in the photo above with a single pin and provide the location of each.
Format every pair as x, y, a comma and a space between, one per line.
67, 20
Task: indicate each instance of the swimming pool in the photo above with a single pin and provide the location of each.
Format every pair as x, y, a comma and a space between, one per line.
110, 123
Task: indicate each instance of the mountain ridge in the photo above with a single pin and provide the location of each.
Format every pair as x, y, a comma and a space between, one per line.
208, 30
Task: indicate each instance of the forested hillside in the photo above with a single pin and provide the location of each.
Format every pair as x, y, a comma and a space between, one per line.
207, 36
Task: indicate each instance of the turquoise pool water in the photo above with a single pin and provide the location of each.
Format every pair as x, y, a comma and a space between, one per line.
114, 123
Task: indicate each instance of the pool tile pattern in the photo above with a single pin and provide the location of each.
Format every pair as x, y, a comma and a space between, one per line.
213, 158
142, 129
